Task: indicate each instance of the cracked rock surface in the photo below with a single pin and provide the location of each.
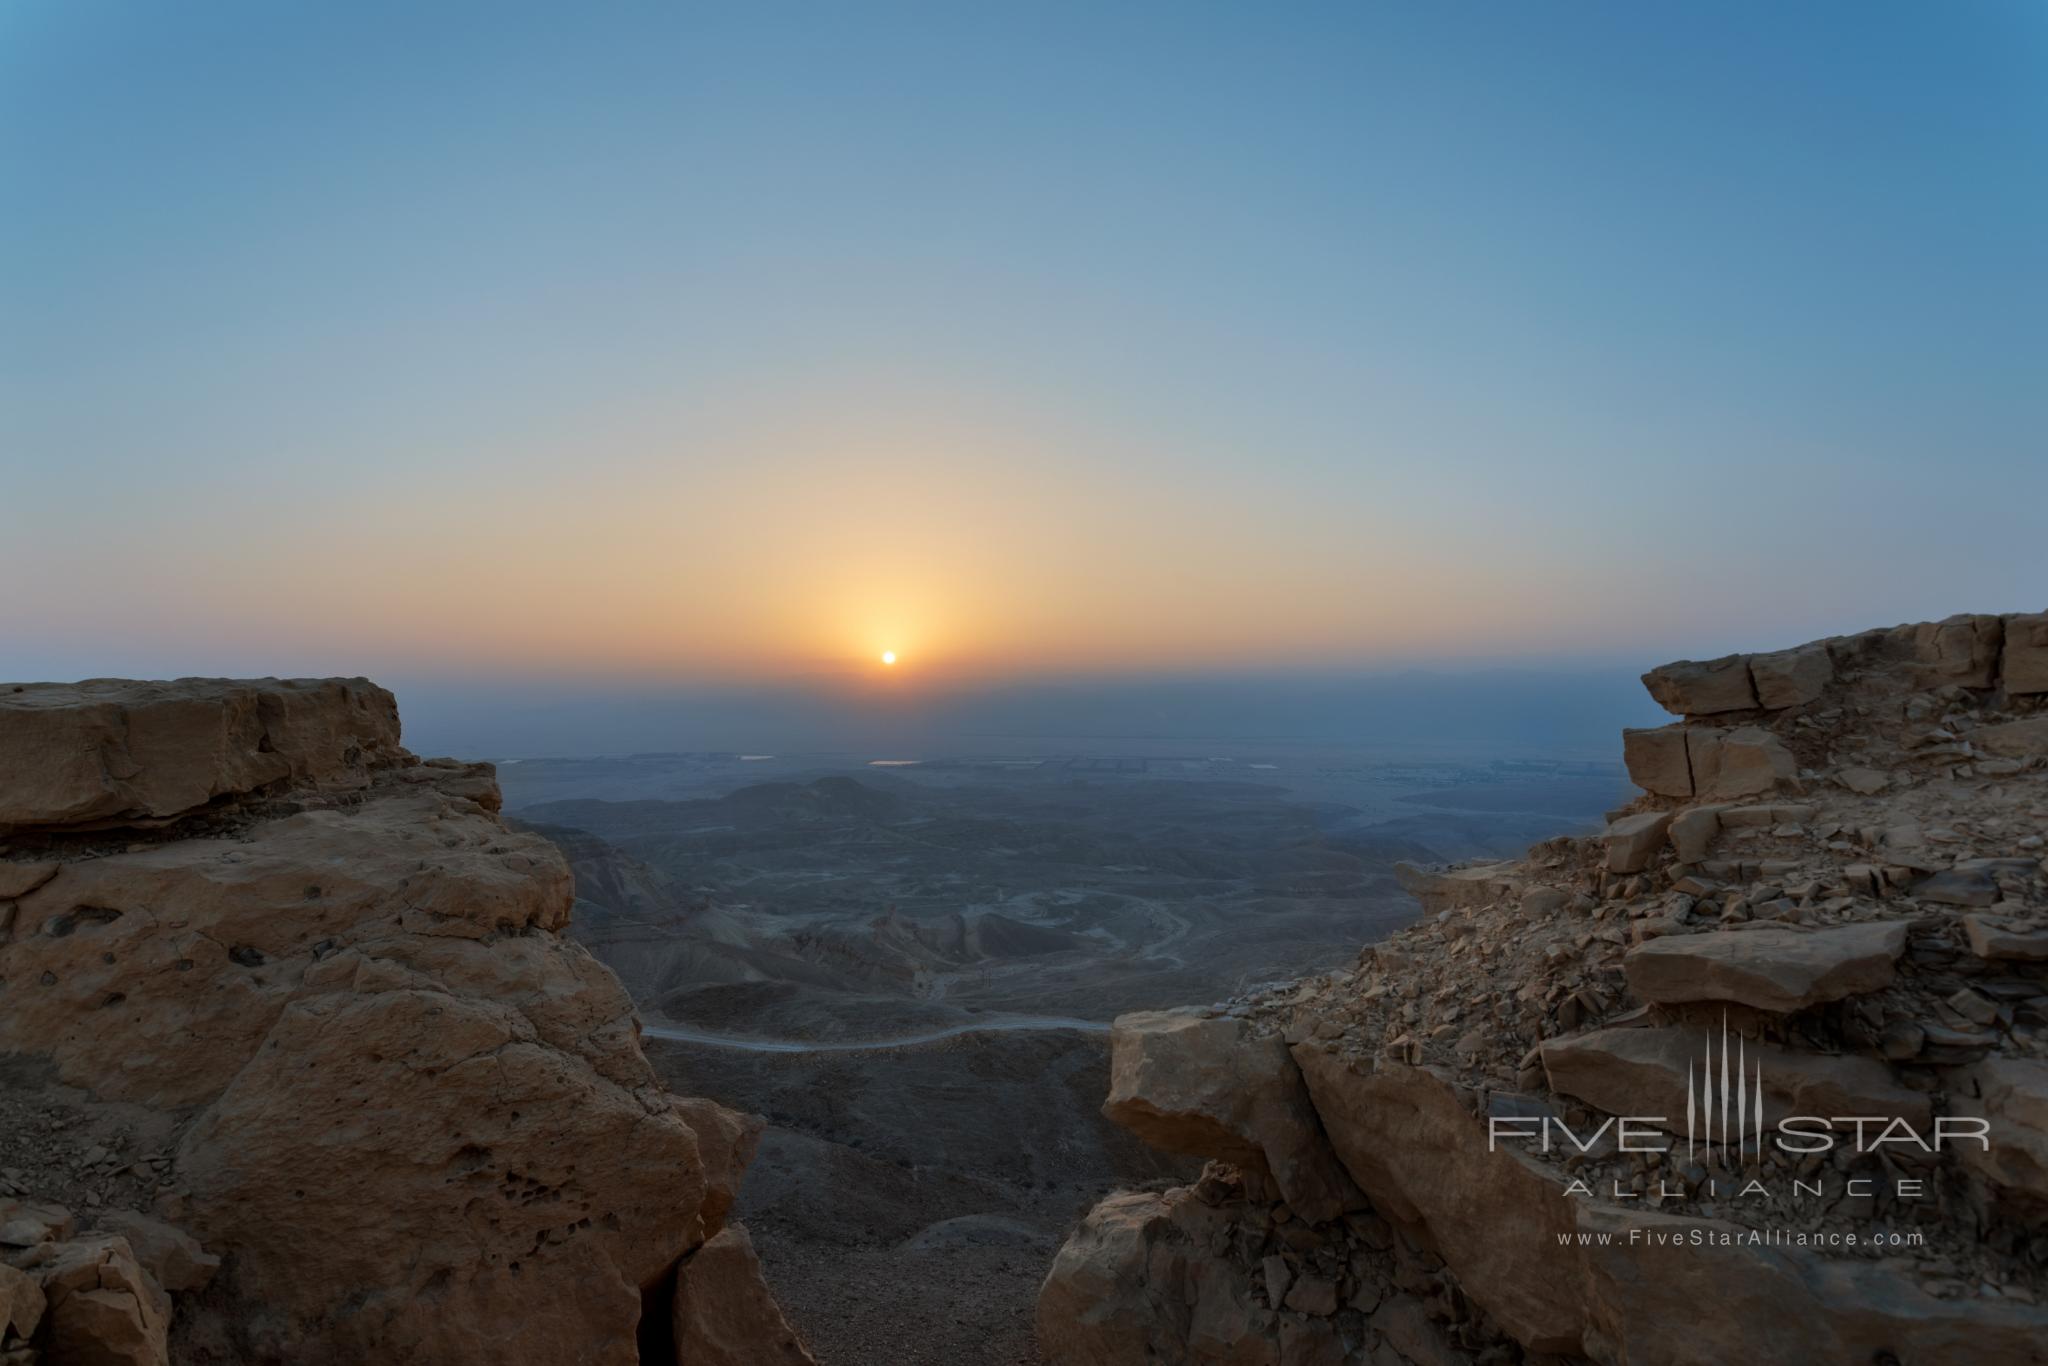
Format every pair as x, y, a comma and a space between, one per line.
320, 994
1835, 877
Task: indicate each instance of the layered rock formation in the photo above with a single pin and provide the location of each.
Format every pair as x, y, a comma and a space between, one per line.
290, 1028
1758, 1073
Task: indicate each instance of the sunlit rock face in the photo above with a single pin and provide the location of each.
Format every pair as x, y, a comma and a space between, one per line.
409, 1120
1828, 913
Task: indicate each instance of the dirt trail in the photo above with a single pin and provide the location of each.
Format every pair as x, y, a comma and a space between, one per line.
994, 1024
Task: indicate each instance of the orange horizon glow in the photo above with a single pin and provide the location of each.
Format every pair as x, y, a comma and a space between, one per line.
983, 547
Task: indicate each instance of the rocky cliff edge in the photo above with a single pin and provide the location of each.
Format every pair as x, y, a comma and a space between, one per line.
1758, 1073
299, 1067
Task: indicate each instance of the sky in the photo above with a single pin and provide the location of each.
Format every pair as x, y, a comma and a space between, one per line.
672, 345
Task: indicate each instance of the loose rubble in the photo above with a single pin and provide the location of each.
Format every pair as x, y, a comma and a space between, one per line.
1834, 888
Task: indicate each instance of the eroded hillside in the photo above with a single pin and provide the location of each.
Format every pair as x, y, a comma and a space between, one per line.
1760, 1073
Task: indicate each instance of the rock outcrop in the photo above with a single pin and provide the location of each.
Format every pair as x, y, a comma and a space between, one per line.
1760, 1072
402, 1117
1202, 1085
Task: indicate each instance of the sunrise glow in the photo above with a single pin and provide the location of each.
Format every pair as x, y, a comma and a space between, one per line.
888, 656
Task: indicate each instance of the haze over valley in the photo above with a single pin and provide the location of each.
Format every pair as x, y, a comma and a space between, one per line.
908, 963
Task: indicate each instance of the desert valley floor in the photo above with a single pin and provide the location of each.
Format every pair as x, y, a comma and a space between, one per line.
907, 963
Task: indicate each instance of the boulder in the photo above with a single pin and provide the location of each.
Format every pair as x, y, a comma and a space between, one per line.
1958, 887
2015, 739
1646, 1072
1634, 840
2025, 666
2012, 1093
104, 1309
25, 1223
1998, 941
1963, 650
153, 976
1137, 1282
726, 1142
21, 1304
114, 752
1790, 678
1864, 782
1412, 1144
1770, 968
1186, 1082
171, 1256
1745, 762
1657, 761
417, 1124
1693, 831
723, 1312
481, 1192
1690, 688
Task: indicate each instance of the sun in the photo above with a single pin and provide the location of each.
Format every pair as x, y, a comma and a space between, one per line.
888, 656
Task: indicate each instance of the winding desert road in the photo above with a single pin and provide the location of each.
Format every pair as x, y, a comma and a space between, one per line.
994, 1024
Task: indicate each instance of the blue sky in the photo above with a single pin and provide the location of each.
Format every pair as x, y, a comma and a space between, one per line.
688, 341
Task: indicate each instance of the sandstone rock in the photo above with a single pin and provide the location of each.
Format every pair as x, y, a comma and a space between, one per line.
1689, 688
1313, 1295
1415, 1148
1901, 1039
1135, 1283
1975, 1008
1276, 1276
1745, 762
21, 1304
1187, 1083
25, 1223
1765, 815
416, 1122
1414, 1338
724, 1314
1467, 991
153, 976
501, 1198
172, 1257
1693, 831
2025, 665
726, 1142
2012, 1093
1679, 1291
1644, 1072
1991, 939
1634, 840
1958, 887
113, 752
1450, 889
1863, 781
104, 1310
1657, 761
2017, 739
1769, 968
21, 878
1788, 678
1963, 650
